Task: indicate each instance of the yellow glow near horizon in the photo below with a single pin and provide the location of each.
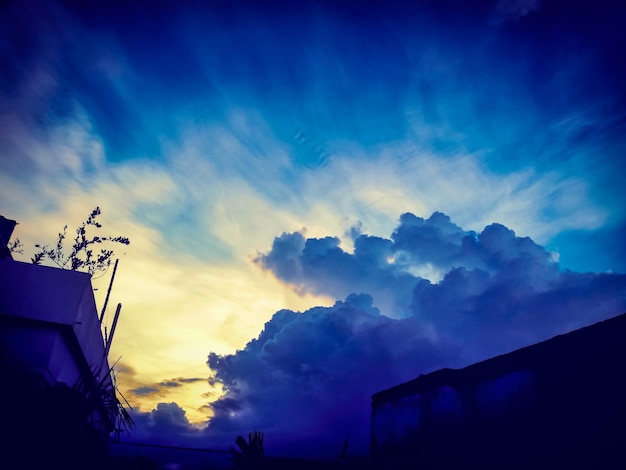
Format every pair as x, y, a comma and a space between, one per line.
175, 311
174, 315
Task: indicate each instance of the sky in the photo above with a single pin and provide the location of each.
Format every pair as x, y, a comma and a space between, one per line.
323, 199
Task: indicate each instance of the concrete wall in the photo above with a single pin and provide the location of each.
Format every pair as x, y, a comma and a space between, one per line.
560, 402
41, 295
49, 327
42, 350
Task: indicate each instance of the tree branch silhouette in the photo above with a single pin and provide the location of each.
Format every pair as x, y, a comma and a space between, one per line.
82, 255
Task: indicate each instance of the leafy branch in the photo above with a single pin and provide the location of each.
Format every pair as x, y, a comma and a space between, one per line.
81, 255
16, 246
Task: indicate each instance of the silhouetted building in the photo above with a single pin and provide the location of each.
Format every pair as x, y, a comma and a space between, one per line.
560, 403
58, 393
6, 229
49, 322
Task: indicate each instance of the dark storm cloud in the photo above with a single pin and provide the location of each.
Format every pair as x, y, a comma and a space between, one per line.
320, 266
167, 424
168, 417
313, 373
384, 267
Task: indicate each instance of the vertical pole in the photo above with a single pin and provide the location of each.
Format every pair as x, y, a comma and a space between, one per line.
110, 338
106, 300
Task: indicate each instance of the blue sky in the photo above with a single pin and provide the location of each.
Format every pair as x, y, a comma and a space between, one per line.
204, 131
537, 92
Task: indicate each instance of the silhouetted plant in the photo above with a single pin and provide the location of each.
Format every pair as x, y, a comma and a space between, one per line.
16, 246
250, 451
49, 425
100, 400
81, 255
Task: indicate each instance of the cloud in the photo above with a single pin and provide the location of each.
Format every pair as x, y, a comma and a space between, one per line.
168, 417
192, 394
143, 391
313, 373
512, 10
388, 269
165, 424
162, 387
182, 380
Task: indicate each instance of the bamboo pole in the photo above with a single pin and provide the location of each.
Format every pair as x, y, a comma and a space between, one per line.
106, 300
110, 338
